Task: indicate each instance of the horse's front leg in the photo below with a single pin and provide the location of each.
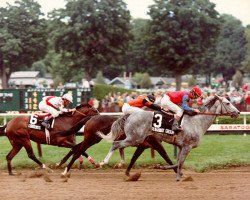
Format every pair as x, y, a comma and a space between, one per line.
107, 158
184, 151
65, 158
139, 150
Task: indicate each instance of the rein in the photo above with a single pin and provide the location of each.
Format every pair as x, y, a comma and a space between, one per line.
214, 114
80, 113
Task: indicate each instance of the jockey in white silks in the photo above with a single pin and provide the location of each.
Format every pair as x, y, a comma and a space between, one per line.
55, 106
178, 102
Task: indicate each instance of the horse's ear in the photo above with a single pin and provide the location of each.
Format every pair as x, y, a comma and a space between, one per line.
217, 97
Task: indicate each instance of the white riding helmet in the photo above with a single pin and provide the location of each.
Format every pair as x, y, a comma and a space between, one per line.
68, 97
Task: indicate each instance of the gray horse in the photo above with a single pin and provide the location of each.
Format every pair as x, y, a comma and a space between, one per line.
139, 125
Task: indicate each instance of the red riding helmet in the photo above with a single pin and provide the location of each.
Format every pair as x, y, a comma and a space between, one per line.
196, 91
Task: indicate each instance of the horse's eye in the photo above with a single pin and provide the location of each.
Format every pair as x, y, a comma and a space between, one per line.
227, 103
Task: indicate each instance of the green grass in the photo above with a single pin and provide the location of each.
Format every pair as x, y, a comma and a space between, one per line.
215, 151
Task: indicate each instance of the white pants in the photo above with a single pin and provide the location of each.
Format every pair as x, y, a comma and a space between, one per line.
48, 109
167, 103
127, 109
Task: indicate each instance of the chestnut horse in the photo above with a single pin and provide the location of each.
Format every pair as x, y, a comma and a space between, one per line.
103, 123
20, 135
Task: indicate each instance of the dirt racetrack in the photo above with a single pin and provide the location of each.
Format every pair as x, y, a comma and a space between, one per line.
233, 183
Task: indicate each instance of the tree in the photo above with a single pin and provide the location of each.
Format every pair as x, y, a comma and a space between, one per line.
95, 34
180, 33
143, 80
22, 37
100, 78
231, 47
136, 59
246, 62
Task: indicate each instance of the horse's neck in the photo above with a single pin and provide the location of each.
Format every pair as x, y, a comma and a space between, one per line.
207, 120
200, 122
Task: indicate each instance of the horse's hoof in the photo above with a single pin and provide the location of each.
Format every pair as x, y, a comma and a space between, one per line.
47, 178
119, 165
49, 170
65, 179
134, 177
189, 178
97, 165
67, 175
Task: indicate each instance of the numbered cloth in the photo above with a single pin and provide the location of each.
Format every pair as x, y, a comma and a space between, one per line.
162, 122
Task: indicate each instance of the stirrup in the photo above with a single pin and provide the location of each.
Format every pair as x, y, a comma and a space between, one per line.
176, 127
46, 124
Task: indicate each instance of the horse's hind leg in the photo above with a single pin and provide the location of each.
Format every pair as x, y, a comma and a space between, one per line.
15, 149
71, 152
136, 155
31, 155
160, 149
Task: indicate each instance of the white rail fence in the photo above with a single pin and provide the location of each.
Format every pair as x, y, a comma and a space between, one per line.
214, 127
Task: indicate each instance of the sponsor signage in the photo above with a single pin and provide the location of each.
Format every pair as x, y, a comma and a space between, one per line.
229, 127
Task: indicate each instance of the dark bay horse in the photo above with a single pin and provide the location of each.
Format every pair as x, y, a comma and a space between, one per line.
138, 126
20, 135
103, 123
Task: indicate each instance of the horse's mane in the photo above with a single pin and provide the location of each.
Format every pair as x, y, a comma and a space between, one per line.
84, 104
209, 102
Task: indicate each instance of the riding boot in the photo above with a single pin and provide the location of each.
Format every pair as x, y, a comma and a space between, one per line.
176, 126
46, 123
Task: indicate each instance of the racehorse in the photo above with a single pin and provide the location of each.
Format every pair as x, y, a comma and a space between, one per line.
102, 123
20, 135
138, 126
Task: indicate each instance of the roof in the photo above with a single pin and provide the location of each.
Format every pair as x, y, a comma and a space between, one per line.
24, 74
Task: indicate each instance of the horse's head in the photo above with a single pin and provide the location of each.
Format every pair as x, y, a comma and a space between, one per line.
223, 106
86, 109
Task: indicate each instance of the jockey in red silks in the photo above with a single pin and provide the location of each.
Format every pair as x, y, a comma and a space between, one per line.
135, 105
55, 106
178, 102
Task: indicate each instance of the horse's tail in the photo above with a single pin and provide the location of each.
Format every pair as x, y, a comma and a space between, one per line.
74, 129
2, 130
117, 129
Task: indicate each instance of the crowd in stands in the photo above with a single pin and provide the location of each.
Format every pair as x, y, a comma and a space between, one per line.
113, 102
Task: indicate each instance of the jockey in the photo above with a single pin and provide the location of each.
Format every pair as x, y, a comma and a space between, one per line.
135, 105
55, 106
172, 101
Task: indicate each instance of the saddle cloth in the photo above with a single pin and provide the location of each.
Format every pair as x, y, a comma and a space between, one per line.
36, 120
162, 122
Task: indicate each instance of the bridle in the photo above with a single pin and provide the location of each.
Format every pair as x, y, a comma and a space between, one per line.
218, 114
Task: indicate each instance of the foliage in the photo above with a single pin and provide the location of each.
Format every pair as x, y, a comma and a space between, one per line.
180, 33
142, 79
227, 120
22, 36
231, 49
136, 59
246, 62
95, 34
100, 91
39, 66
99, 78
